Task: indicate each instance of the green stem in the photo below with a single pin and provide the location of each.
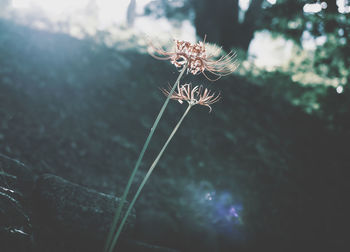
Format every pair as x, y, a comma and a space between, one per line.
146, 178
138, 162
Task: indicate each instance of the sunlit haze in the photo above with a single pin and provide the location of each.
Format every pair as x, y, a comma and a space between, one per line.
81, 17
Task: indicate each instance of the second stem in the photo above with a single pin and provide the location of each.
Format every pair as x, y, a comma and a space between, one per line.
147, 176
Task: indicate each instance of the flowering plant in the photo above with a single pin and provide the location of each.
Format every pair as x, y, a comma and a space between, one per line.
192, 58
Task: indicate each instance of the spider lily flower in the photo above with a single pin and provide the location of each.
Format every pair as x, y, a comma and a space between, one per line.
197, 58
193, 95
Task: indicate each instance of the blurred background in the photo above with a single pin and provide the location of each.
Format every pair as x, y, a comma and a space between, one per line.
266, 169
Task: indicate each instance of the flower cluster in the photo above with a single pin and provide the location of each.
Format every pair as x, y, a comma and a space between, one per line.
197, 59
193, 95
193, 54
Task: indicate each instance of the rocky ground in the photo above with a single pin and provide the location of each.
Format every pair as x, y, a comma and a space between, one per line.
257, 172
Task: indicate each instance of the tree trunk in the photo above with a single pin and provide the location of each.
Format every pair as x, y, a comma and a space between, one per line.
219, 21
131, 13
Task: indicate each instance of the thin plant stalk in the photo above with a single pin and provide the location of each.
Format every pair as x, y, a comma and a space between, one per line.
146, 178
138, 162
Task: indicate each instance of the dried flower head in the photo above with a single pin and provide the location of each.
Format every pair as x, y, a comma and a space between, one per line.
197, 59
193, 95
